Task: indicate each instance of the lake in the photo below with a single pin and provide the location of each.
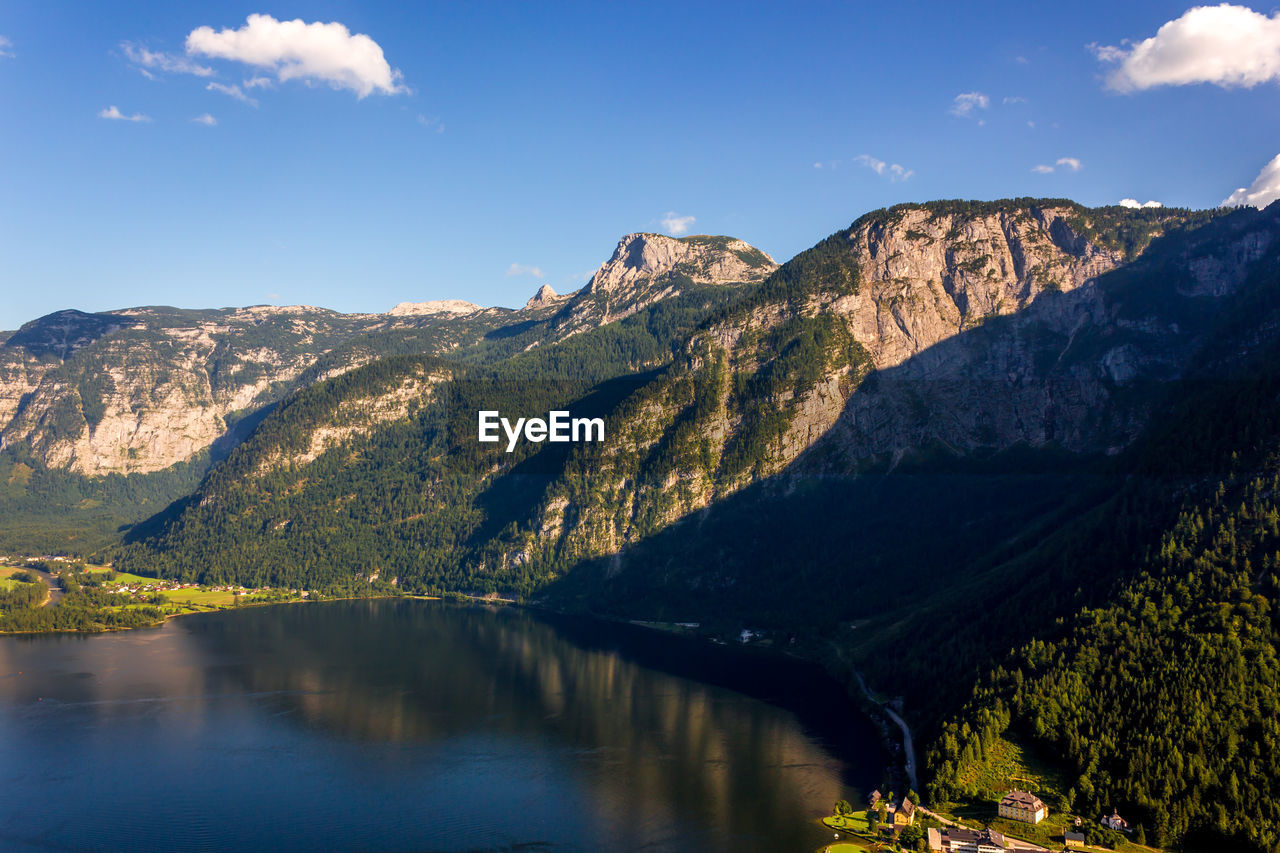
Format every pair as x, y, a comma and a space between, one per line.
414, 725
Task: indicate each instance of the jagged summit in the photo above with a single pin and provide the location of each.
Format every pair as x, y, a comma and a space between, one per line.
544, 297
704, 259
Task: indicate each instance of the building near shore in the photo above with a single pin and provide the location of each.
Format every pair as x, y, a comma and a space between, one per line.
1019, 805
956, 840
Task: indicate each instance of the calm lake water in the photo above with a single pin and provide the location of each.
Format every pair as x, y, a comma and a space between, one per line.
408, 725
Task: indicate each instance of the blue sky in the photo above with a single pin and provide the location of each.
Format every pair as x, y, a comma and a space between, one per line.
500, 146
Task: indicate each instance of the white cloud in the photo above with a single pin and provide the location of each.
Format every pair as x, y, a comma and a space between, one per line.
677, 225
233, 92
895, 171
6, 47
1014, 99
521, 269
1134, 203
1225, 45
146, 59
259, 82
1066, 162
206, 119
295, 50
1264, 189
877, 166
966, 102
112, 112
431, 123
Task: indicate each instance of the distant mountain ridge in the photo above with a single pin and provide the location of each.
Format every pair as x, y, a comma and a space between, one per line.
141, 389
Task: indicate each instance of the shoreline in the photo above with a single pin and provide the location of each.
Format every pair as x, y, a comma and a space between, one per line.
220, 609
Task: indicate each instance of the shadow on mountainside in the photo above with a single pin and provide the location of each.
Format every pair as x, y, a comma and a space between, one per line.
969, 496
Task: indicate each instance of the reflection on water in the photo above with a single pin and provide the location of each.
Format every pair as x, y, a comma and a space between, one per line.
404, 725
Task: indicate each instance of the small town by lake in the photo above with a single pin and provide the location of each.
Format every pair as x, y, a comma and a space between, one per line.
416, 725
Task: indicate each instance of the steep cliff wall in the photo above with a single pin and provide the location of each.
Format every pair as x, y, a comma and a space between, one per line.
961, 327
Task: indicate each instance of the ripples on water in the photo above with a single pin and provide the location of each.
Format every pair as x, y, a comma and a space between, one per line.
406, 725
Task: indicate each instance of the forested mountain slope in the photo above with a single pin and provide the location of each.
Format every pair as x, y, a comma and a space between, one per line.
948, 431
106, 417
1162, 696
1051, 320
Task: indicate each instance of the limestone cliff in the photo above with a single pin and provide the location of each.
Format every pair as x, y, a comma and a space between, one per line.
953, 326
646, 268
138, 390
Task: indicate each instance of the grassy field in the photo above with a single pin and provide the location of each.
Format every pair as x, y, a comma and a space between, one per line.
200, 597
121, 577
6, 584
848, 843
1009, 766
856, 822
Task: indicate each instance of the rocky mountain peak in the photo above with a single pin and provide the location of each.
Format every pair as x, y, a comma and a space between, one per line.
704, 259
544, 297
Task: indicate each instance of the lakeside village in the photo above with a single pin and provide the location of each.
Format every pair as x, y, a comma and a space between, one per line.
889, 824
125, 591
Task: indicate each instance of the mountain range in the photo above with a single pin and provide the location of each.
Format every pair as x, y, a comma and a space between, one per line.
1014, 461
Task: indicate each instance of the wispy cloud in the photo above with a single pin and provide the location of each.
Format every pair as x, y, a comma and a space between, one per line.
964, 104
112, 112
894, 171
1264, 189
232, 91
6, 47
1133, 202
431, 123
259, 83
676, 224
1013, 99
1224, 45
1071, 163
310, 52
205, 119
521, 269
147, 61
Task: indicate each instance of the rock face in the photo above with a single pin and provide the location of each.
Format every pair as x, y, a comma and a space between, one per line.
959, 328
646, 268
544, 298
141, 389
705, 260
436, 306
